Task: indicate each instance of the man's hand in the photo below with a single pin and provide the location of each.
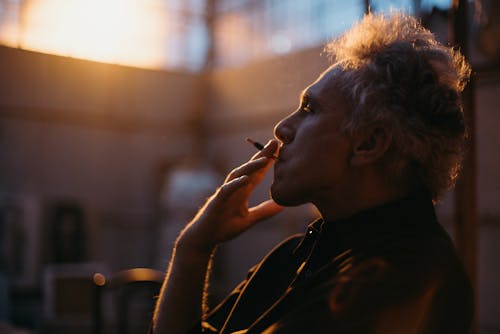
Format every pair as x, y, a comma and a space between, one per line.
226, 214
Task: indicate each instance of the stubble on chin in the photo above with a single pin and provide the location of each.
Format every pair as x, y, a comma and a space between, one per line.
284, 198
275, 195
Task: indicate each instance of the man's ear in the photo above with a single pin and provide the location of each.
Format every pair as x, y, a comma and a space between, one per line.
370, 145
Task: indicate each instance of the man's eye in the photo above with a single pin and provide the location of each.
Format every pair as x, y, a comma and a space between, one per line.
307, 108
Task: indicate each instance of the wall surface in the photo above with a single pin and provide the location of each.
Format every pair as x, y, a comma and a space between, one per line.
488, 190
95, 134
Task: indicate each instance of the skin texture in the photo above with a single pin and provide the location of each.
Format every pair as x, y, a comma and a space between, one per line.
314, 155
317, 163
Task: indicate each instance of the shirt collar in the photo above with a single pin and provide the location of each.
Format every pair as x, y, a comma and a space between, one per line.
407, 215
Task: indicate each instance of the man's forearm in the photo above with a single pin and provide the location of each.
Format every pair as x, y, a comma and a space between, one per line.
179, 305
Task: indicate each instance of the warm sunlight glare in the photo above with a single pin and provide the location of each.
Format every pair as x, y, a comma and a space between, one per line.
130, 32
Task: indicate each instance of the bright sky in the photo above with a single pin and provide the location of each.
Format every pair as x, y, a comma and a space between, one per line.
132, 32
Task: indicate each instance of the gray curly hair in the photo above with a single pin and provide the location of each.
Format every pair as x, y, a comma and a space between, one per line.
394, 72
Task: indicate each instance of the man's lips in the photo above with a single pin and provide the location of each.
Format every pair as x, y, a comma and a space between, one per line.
281, 155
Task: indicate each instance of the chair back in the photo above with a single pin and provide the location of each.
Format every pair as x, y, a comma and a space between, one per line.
133, 295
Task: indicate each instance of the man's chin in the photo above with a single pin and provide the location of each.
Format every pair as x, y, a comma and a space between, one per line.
285, 198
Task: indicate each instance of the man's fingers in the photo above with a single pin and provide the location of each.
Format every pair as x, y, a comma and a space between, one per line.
230, 187
247, 168
257, 162
264, 210
268, 151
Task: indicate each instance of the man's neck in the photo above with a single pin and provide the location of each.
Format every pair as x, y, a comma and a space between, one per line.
349, 203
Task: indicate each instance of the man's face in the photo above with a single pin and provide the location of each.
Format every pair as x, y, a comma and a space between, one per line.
314, 155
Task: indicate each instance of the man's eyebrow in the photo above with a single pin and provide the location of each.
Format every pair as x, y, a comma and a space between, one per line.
304, 95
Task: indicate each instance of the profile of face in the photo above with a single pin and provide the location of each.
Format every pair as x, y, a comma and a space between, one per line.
314, 155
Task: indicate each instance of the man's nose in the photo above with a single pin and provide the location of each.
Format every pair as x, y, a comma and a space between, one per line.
284, 131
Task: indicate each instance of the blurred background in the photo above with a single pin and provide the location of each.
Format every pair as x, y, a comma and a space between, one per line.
119, 117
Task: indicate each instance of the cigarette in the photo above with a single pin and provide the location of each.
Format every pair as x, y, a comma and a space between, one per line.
259, 146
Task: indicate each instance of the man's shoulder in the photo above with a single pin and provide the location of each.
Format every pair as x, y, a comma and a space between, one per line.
283, 251
289, 243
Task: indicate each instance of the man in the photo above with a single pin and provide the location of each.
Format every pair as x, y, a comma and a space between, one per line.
376, 139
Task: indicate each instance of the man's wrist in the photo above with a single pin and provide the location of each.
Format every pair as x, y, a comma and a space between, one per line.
189, 242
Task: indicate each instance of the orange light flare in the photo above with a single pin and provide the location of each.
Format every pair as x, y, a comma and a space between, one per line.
129, 32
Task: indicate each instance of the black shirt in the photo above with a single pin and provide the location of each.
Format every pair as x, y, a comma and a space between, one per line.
341, 275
